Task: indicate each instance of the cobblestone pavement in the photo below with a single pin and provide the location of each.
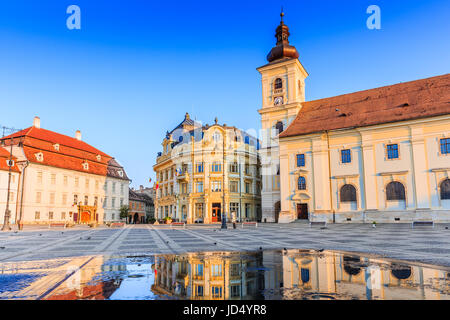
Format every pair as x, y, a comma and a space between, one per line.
398, 241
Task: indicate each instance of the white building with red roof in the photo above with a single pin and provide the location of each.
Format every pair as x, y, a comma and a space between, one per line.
64, 179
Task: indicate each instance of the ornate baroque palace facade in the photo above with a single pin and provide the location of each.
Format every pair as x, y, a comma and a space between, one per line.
376, 155
206, 171
57, 178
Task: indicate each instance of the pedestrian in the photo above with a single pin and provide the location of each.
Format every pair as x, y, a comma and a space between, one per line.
233, 219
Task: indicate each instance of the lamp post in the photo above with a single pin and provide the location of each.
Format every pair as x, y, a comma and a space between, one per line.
224, 215
6, 226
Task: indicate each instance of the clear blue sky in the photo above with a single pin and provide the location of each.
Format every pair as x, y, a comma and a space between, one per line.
136, 67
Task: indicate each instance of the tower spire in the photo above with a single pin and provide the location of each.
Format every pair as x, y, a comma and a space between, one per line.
282, 49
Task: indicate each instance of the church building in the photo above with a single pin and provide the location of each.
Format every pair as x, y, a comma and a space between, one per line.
378, 155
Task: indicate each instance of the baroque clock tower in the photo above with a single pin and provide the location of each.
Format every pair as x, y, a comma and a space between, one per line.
283, 83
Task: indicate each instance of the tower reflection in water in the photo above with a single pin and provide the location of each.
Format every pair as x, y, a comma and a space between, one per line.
295, 274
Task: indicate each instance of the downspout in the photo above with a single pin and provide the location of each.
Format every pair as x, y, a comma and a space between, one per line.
329, 173
19, 222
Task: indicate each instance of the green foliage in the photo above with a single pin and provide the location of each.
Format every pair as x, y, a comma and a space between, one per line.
124, 210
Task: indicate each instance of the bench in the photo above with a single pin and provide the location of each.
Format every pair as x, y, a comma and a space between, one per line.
178, 224
249, 223
422, 223
317, 223
61, 224
116, 224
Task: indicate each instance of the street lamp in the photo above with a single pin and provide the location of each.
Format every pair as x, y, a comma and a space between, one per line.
6, 226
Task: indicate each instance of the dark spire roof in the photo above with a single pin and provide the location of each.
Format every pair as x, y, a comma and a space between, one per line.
187, 122
283, 49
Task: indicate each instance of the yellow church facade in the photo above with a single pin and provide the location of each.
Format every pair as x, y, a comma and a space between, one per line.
378, 155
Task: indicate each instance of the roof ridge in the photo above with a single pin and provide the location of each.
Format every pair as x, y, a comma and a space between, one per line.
378, 88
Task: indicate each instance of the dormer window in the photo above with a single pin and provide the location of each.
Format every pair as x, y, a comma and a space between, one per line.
39, 156
120, 172
56, 146
85, 165
99, 157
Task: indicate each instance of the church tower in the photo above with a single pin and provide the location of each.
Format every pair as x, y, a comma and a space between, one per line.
283, 83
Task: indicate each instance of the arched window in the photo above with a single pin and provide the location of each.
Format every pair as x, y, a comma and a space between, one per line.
279, 127
352, 265
348, 193
180, 139
445, 189
247, 140
401, 272
301, 183
278, 83
395, 191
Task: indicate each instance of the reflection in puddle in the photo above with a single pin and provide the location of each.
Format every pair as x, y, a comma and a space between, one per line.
291, 274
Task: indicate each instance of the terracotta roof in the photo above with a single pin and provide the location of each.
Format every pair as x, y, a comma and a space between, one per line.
4, 156
60, 151
399, 102
54, 137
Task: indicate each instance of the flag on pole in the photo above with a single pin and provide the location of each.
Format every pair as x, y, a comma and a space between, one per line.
149, 180
157, 185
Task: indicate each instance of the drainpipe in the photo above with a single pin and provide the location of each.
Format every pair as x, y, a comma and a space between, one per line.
329, 172
19, 222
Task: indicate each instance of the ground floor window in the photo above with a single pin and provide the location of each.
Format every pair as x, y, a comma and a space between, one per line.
216, 292
199, 211
348, 193
63, 216
235, 290
199, 291
395, 191
445, 189
184, 212
234, 207
247, 210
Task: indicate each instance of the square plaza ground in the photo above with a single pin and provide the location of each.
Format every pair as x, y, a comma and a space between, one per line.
396, 241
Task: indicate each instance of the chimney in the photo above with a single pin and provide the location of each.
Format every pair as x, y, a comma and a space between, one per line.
37, 122
78, 135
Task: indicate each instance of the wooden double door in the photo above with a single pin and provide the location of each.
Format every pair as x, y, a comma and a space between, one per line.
302, 211
216, 212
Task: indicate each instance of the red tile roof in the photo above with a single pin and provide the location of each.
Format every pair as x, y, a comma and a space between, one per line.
71, 155
399, 102
4, 156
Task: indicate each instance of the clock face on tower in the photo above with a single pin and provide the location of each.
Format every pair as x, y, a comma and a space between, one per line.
278, 101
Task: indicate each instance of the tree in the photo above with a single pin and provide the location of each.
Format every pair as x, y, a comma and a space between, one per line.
124, 211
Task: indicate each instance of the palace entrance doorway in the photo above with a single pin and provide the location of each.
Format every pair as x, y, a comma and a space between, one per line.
216, 212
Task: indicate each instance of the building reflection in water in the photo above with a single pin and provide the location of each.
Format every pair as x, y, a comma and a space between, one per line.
210, 276
271, 275
334, 275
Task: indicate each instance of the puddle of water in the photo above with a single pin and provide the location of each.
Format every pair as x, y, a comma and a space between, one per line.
273, 275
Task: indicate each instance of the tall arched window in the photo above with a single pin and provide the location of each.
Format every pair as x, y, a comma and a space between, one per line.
395, 191
445, 189
247, 140
278, 83
348, 193
279, 127
301, 183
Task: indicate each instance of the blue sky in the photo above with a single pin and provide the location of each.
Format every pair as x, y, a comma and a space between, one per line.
136, 67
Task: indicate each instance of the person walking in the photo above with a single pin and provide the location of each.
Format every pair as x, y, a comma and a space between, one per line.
233, 219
